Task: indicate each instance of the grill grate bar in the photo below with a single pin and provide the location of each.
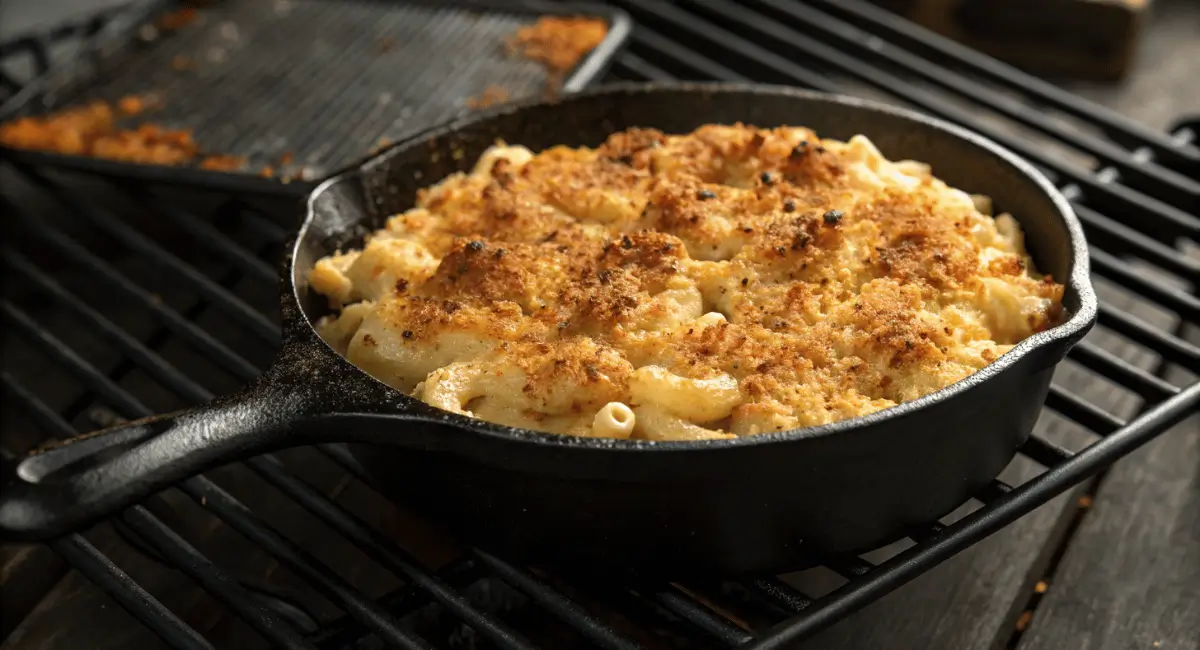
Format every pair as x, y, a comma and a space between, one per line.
385, 552
554, 601
1121, 200
219, 296
208, 236
1119, 238
345, 632
1172, 348
128, 594
1045, 453
206, 574
662, 48
1109, 266
176, 381
229, 510
175, 550
93, 564
1082, 411
319, 575
188, 331
1005, 508
1121, 371
780, 594
700, 616
1177, 188
1117, 125
641, 69
662, 12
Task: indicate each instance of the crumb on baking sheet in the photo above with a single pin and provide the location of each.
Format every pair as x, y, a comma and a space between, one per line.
131, 105
178, 19
91, 130
181, 63
491, 96
223, 163
558, 42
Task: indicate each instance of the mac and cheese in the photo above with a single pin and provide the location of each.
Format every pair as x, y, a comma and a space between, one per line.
726, 282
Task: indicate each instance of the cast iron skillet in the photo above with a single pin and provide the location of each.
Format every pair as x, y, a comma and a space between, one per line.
749, 504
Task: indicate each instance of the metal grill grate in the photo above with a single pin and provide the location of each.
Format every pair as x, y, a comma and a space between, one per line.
141, 305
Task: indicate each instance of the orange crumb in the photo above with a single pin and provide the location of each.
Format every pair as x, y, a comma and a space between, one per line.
178, 19
69, 131
558, 42
1085, 501
381, 144
1040, 587
491, 96
1024, 621
131, 105
286, 159
223, 163
267, 172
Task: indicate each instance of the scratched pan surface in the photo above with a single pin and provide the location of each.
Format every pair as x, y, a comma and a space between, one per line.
324, 81
754, 503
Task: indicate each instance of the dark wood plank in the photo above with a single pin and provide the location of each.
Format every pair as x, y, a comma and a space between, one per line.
1131, 576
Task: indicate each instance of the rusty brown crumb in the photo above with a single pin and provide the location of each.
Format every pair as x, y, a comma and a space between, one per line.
558, 42
1040, 587
286, 159
178, 19
131, 105
223, 162
1024, 621
386, 44
491, 96
381, 144
267, 172
181, 63
1085, 501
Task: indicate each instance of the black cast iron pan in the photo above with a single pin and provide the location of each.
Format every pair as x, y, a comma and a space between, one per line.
748, 504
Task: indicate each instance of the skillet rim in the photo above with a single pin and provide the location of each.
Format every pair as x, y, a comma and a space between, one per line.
1078, 279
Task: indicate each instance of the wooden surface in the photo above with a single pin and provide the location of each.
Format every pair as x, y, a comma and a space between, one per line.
1131, 575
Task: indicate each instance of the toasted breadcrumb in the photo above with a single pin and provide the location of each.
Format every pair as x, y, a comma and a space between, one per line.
827, 281
558, 42
491, 96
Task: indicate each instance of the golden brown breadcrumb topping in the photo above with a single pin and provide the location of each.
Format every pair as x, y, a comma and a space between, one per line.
824, 279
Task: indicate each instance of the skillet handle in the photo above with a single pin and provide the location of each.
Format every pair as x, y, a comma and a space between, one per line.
78, 481
75, 482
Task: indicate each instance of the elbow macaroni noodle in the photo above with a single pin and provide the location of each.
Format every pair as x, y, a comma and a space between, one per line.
731, 281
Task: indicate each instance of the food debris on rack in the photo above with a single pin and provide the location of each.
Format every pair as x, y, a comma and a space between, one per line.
181, 63
91, 130
178, 19
1024, 621
558, 42
223, 162
491, 96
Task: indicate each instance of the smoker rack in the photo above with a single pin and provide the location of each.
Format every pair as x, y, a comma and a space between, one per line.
299, 88
1139, 204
